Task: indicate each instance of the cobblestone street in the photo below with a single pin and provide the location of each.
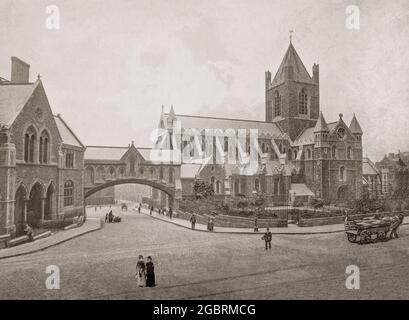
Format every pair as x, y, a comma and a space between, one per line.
192, 265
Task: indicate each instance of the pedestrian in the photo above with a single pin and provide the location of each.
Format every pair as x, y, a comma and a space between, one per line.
29, 232
267, 238
256, 224
140, 272
110, 216
139, 208
106, 218
210, 224
95, 209
151, 210
150, 273
396, 222
170, 213
193, 221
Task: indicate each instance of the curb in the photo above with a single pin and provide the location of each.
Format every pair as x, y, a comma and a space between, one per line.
247, 232
52, 244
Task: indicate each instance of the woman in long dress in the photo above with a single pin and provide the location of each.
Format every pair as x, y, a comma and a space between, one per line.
141, 272
150, 273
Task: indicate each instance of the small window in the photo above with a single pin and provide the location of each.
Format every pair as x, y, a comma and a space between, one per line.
308, 154
277, 104
302, 102
342, 174
69, 159
68, 193
44, 145
349, 153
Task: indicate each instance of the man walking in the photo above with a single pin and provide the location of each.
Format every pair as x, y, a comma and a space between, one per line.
267, 238
193, 221
396, 222
170, 213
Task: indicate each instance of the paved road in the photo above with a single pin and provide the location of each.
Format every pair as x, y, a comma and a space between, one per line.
208, 266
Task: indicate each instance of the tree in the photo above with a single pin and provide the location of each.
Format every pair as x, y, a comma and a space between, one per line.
202, 189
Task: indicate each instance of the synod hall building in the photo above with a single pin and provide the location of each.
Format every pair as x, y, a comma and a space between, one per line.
41, 159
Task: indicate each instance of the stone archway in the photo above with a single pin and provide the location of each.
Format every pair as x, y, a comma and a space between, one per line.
20, 210
49, 205
342, 194
35, 205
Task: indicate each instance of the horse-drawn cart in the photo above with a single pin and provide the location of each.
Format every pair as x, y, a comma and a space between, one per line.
367, 230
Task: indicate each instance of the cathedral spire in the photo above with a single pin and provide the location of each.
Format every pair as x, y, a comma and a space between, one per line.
321, 125
354, 126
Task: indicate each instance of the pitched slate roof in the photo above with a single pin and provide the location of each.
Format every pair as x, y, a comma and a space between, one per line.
104, 153
189, 171
321, 124
354, 126
306, 137
368, 167
201, 123
13, 98
292, 59
66, 133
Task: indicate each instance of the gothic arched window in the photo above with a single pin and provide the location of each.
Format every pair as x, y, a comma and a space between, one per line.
44, 147
302, 102
29, 144
308, 154
334, 152
349, 153
277, 104
171, 175
342, 174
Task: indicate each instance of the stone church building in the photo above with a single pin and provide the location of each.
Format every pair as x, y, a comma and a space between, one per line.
300, 154
41, 159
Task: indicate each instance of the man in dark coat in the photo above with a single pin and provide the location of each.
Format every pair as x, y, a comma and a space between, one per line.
267, 238
193, 221
170, 213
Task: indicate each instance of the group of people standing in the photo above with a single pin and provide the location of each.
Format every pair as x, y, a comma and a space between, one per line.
145, 272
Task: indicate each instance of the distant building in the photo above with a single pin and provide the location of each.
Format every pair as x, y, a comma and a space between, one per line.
371, 177
41, 159
390, 167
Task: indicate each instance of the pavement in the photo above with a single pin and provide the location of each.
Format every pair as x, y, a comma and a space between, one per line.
200, 265
92, 224
292, 229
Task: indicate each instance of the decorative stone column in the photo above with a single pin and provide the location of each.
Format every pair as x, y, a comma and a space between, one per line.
7, 182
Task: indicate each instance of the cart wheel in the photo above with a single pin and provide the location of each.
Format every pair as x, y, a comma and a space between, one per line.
381, 235
351, 237
365, 236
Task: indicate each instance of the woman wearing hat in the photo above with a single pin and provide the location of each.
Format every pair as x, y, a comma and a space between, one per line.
150, 273
141, 272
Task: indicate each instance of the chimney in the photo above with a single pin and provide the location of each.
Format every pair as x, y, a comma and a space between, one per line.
20, 71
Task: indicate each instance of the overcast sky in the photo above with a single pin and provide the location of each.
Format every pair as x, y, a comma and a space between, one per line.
112, 64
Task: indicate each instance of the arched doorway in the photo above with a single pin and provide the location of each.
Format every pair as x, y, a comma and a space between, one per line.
49, 202
34, 209
20, 210
342, 194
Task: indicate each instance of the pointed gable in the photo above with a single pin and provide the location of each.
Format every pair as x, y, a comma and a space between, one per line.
292, 59
321, 125
13, 98
354, 126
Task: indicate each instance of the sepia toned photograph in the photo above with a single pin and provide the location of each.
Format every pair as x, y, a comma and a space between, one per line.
223, 150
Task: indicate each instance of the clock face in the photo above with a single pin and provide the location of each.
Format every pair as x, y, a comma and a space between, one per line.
341, 133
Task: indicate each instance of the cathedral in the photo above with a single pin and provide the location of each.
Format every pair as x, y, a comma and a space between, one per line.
301, 155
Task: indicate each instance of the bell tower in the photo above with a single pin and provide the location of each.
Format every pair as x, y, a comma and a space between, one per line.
292, 96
